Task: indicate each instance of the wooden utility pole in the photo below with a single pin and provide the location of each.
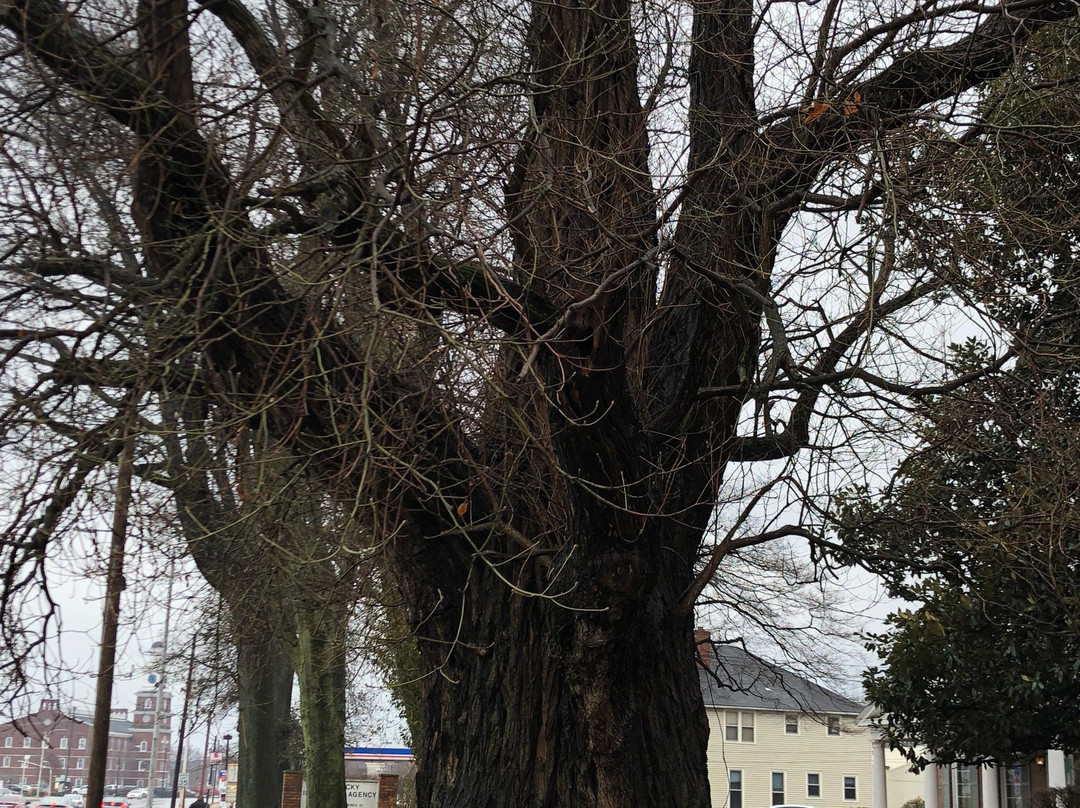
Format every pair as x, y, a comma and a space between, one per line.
183, 723
114, 585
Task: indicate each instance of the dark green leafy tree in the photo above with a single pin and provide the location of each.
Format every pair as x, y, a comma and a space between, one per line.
982, 523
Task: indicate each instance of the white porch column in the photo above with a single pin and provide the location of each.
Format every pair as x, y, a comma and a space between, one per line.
930, 785
877, 772
991, 793
1055, 769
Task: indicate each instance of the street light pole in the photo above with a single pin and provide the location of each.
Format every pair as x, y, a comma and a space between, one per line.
159, 699
41, 767
227, 738
41, 762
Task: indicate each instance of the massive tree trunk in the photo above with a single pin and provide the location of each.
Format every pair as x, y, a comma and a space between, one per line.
594, 668
539, 704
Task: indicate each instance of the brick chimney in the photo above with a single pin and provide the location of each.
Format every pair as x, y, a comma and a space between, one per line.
703, 648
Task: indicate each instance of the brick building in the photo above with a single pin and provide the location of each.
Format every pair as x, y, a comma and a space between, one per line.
51, 747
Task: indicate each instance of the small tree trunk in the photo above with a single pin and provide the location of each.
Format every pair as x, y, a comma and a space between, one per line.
320, 669
265, 694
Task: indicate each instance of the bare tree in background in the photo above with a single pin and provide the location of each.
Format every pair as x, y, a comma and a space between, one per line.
517, 282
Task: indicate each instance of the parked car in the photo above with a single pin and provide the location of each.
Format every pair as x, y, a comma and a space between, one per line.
52, 802
77, 800
137, 794
12, 801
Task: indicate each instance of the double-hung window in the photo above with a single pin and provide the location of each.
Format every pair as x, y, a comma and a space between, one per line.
739, 726
850, 792
735, 788
967, 789
813, 785
777, 788
1017, 786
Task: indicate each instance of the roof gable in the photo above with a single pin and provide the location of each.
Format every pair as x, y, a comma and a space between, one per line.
738, 679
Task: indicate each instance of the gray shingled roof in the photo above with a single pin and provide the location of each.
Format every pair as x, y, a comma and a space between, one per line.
747, 682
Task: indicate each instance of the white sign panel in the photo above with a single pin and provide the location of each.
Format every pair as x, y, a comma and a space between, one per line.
362, 793
358, 794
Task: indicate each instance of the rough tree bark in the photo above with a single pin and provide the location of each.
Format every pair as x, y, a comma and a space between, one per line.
318, 658
264, 691
546, 544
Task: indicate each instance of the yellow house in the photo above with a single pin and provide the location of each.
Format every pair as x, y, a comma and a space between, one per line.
778, 739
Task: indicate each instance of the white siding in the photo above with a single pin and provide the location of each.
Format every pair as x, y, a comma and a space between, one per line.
902, 783
812, 750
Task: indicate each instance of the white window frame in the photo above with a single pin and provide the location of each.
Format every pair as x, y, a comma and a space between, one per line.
82, 743
142, 746
791, 723
1015, 792
745, 720
26, 742
854, 787
79, 763
832, 726
772, 788
7, 762
810, 796
64, 743
971, 799
7, 742
732, 790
